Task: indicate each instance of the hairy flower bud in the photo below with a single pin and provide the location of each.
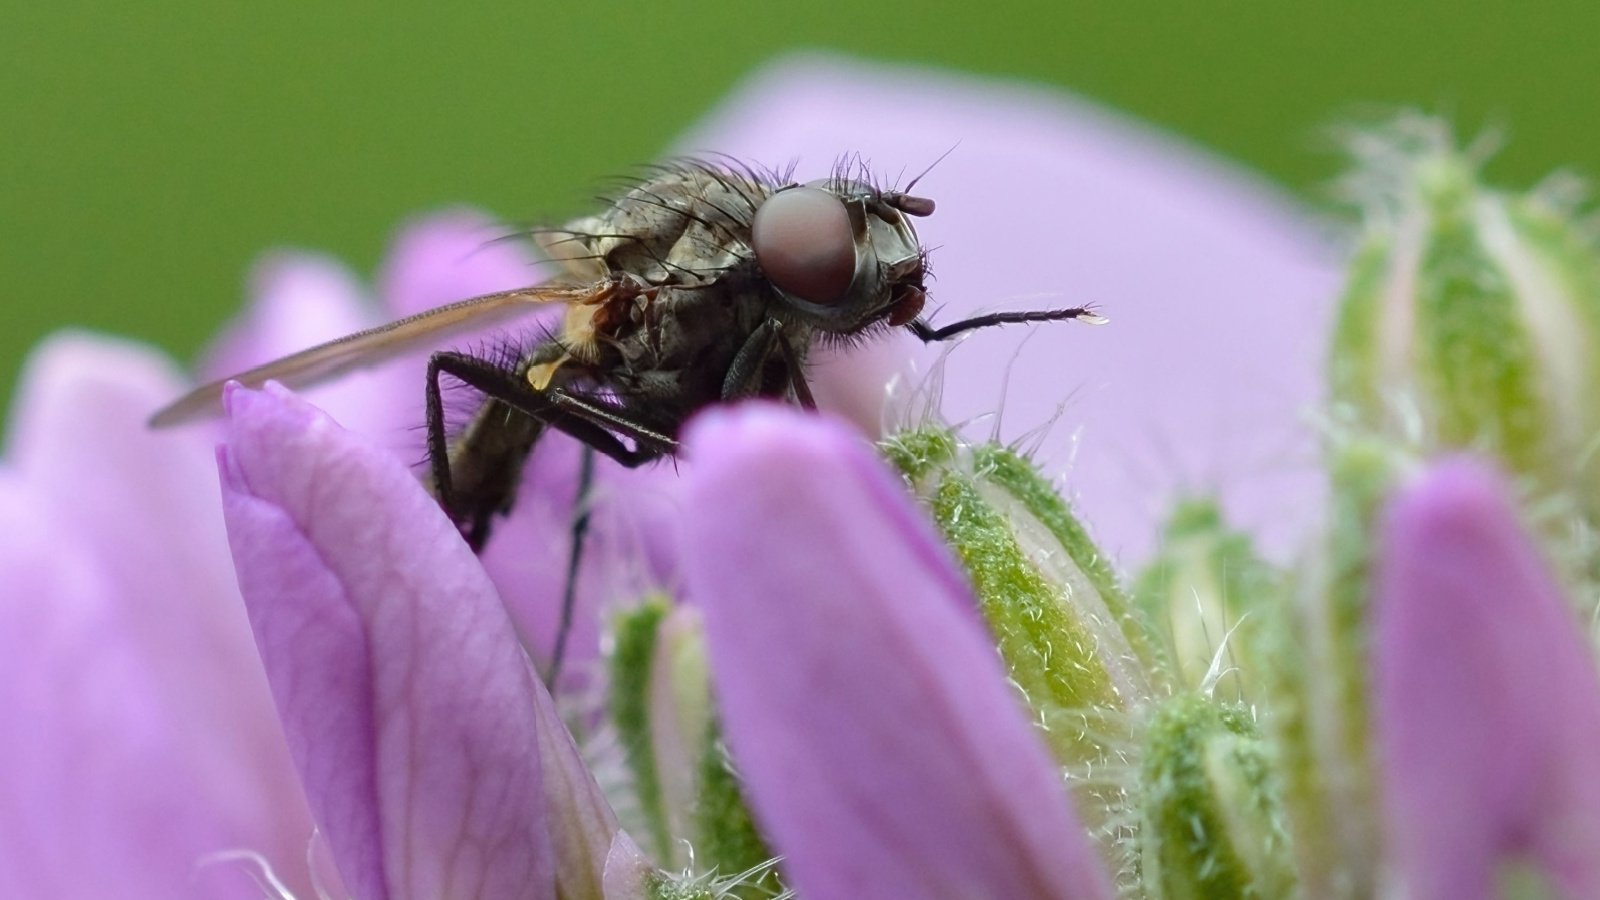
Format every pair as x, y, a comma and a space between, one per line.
1472, 315
1204, 590
1318, 691
1073, 642
1210, 820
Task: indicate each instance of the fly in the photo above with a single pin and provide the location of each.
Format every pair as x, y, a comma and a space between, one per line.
707, 282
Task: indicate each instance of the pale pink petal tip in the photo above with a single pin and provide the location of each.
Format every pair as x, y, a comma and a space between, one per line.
296, 299
884, 752
1487, 698
449, 256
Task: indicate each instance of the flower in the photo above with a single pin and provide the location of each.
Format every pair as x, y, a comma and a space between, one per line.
429, 749
1487, 706
856, 682
431, 759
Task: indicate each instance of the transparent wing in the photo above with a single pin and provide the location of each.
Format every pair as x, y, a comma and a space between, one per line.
375, 345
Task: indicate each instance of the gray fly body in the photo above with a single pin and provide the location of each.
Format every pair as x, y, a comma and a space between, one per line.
706, 282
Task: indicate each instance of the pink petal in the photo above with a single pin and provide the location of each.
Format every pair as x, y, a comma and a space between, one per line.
884, 753
1218, 288
166, 707
106, 786
583, 829
1488, 703
452, 255
628, 874
409, 705
299, 300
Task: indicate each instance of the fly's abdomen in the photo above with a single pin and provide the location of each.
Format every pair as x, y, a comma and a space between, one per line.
486, 461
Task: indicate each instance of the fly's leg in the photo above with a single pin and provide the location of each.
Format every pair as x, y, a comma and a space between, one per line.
928, 334
608, 416
439, 460
569, 591
590, 422
797, 378
749, 366
743, 378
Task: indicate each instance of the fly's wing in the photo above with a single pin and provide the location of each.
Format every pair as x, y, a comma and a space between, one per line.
375, 345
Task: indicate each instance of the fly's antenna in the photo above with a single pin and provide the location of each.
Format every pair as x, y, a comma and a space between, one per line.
902, 198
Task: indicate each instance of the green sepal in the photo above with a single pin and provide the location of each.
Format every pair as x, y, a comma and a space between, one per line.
1317, 683
726, 842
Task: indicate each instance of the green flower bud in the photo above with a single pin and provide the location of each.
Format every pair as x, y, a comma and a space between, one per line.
661, 707
1210, 820
1317, 685
756, 883
1205, 590
689, 800
1075, 645
1472, 315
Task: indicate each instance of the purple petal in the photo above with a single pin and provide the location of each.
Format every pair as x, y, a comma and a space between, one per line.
583, 829
884, 753
629, 874
157, 710
452, 255
1218, 288
299, 300
1488, 703
95, 766
409, 705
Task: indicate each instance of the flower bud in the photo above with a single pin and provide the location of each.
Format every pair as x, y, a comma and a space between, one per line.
1318, 685
1210, 820
688, 797
661, 707
1073, 642
1203, 591
1472, 315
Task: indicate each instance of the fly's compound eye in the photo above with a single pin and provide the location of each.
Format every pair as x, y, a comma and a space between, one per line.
803, 240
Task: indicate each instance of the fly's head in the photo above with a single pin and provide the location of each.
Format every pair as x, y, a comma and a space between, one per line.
842, 255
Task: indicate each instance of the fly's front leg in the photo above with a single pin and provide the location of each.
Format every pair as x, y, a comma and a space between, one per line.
585, 421
743, 378
438, 441
591, 411
797, 378
928, 334
745, 373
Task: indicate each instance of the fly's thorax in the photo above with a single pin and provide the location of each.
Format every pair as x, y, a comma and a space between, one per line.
687, 224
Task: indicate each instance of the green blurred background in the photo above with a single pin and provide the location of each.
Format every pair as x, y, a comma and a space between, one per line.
151, 150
